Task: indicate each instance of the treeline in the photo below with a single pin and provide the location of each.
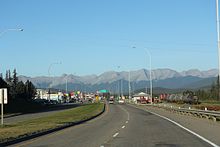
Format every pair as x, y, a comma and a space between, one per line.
20, 94
210, 94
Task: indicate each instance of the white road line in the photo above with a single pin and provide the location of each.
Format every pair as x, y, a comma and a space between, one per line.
188, 130
126, 122
102, 146
116, 134
128, 115
123, 127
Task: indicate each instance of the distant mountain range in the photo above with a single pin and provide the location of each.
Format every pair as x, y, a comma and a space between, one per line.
116, 81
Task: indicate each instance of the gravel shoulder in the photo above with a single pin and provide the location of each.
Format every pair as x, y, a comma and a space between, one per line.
204, 127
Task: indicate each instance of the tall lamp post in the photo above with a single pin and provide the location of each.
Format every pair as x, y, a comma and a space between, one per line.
49, 73
2, 102
218, 37
129, 85
7, 30
119, 93
66, 84
151, 83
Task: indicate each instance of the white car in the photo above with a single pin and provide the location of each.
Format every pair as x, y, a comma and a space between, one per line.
111, 101
121, 101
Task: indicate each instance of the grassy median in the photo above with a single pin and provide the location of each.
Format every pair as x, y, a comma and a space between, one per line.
25, 128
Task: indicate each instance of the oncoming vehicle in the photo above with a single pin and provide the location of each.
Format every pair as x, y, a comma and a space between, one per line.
111, 101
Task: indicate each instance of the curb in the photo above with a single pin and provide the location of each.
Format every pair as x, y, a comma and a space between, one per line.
38, 134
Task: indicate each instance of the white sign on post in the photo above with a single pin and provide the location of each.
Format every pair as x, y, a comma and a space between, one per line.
3, 100
5, 95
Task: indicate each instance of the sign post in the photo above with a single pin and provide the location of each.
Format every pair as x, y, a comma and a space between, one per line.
3, 100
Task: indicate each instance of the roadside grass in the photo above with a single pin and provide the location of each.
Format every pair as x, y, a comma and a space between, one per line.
26, 128
211, 102
210, 105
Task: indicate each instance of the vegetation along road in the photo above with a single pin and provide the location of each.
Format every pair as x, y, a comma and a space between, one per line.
32, 126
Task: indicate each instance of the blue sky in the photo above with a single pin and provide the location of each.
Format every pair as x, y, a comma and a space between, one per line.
94, 36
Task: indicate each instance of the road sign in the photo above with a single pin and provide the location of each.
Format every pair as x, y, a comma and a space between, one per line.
3, 95
103, 91
3, 100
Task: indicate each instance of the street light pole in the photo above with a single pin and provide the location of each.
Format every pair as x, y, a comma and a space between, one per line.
129, 85
49, 68
119, 93
3, 91
6, 30
66, 85
218, 37
151, 83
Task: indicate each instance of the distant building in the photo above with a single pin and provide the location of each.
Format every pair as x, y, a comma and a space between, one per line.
141, 97
43, 94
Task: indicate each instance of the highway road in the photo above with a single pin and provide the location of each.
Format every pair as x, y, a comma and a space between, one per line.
120, 126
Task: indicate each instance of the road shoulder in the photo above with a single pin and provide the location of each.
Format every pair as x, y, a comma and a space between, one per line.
206, 128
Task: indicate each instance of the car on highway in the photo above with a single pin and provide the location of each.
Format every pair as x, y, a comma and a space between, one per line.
111, 101
121, 101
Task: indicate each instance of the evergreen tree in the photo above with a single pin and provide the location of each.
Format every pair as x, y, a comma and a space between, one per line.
203, 95
30, 90
14, 83
6, 76
20, 92
15, 78
9, 76
3, 84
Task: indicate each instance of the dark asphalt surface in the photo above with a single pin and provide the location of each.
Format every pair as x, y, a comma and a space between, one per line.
120, 126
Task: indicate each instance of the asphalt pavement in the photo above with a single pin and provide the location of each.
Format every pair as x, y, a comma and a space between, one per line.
120, 126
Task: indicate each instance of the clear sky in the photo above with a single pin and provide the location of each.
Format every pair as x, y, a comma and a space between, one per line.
94, 36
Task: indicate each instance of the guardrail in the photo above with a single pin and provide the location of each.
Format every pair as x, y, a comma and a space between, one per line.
214, 115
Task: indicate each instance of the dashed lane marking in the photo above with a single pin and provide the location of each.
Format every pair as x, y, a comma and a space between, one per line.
123, 127
128, 115
115, 135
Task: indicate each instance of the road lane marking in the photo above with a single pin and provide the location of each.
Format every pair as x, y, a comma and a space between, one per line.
186, 129
128, 115
126, 122
123, 127
102, 146
115, 135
